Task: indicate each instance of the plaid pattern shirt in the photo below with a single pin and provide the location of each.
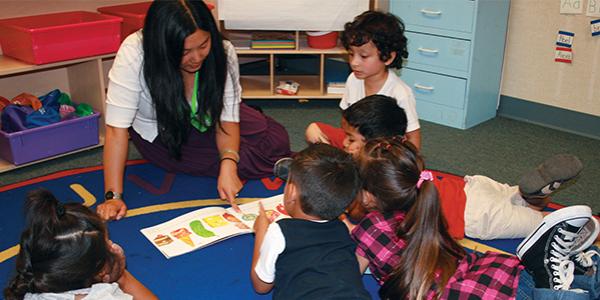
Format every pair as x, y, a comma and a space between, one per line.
478, 276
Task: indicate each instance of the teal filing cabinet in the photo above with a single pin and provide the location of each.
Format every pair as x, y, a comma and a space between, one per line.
456, 49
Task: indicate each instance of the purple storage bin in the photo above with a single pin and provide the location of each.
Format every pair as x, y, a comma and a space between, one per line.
46, 141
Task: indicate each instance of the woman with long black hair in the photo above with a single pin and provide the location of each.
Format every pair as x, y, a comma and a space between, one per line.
174, 89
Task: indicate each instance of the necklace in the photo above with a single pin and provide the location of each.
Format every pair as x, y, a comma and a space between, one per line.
206, 119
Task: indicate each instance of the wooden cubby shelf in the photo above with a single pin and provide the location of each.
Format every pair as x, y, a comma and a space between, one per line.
263, 86
84, 79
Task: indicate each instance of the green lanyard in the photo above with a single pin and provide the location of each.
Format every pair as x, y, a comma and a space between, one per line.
201, 126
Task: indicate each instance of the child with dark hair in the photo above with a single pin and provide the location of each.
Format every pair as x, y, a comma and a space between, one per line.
65, 253
476, 205
371, 117
404, 241
375, 42
311, 254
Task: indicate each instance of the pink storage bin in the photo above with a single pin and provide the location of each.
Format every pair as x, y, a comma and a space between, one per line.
56, 37
133, 15
41, 142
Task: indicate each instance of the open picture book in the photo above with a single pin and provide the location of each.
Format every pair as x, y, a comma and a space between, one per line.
205, 226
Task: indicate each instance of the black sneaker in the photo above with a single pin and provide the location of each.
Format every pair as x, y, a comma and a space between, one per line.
281, 168
545, 252
584, 262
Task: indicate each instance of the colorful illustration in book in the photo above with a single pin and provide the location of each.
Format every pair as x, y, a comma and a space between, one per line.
161, 240
249, 217
271, 214
215, 221
183, 235
281, 209
231, 218
199, 229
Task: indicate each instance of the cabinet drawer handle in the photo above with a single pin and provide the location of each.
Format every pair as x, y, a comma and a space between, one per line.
428, 50
423, 87
431, 12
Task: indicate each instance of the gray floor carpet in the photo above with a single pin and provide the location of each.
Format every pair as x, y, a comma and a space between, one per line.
501, 148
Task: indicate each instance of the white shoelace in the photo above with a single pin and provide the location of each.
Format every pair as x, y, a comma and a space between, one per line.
586, 258
561, 265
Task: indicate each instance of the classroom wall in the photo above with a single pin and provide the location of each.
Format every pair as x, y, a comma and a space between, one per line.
530, 72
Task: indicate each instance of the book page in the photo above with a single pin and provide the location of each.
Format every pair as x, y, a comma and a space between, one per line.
194, 230
273, 208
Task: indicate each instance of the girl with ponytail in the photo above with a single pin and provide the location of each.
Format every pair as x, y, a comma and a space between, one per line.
65, 253
404, 238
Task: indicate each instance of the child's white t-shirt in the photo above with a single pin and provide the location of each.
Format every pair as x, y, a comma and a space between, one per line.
98, 291
393, 87
273, 245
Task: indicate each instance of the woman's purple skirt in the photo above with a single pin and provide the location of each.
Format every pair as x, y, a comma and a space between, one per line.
262, 142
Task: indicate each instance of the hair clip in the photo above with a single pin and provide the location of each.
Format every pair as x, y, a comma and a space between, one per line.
425, 175
60, 210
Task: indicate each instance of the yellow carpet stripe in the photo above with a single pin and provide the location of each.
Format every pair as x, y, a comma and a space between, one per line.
479, 247
183, 204
88, 198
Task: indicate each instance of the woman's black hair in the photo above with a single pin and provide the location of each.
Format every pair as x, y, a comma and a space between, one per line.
167, 25
385, 30
63, 248
376, 116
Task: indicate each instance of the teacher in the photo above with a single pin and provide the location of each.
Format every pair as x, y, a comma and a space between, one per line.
174, 89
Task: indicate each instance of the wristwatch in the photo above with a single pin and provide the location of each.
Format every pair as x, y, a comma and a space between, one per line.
110, 195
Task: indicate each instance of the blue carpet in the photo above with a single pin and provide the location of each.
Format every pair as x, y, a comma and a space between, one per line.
219, 271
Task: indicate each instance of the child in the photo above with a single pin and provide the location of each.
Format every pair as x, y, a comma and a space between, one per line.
404, 241
477, 206
65, 253
311, 255
375, 42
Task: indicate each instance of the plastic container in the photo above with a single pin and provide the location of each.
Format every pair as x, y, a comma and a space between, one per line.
56, 37
133, 15
322, 39
50, 140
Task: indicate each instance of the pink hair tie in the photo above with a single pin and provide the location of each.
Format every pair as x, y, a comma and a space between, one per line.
425, 175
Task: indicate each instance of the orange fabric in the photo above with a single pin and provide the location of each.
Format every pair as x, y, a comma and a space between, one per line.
335, 134
26, 99
3, 103
453, 200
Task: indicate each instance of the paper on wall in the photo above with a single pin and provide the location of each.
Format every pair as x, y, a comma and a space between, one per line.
563, 54
571, 6
565, 38
593, 8
309, 15
595, 27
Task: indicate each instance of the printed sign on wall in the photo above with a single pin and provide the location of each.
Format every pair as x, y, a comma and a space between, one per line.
595, 25
565, 38
593, 8
563, 54
571, 6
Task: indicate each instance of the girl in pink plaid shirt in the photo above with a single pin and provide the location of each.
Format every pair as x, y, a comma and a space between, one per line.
405, 243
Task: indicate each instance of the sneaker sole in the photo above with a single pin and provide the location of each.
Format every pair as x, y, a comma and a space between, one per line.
565, 214
548, 172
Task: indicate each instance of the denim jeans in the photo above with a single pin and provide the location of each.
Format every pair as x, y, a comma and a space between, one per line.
591, 284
